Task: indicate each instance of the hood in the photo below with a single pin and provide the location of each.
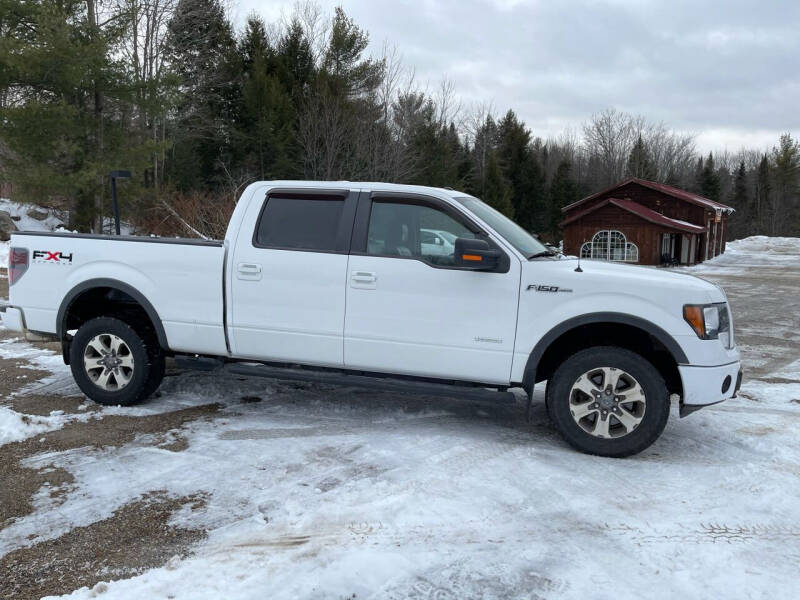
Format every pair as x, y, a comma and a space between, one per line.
608, 277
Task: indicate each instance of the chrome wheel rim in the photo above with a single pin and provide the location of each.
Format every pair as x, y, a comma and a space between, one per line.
607, 402
108, 362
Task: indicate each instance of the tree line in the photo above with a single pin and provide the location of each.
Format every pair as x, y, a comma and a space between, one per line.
197, 110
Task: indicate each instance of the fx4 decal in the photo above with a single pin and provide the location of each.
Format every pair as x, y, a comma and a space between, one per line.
547, 288
45, 256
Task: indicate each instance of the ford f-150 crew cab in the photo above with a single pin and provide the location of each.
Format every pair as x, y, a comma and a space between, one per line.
339, 282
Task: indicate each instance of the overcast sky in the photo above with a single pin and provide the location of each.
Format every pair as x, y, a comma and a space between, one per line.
726, 70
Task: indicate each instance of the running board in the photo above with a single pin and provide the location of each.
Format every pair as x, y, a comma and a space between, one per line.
198, 363
386, 384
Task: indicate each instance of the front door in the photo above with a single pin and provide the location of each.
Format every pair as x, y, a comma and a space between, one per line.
411, 311
288, 280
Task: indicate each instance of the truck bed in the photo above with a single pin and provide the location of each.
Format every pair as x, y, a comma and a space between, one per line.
181, 278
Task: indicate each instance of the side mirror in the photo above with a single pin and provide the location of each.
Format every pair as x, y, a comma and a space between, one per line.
476, 255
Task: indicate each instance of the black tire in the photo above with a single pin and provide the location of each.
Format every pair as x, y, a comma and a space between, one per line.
139, 376
655, 409
158, 366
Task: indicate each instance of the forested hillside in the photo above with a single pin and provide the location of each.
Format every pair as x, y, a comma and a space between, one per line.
197, 110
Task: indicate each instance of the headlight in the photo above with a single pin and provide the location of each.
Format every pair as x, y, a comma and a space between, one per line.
711, 318
710, 321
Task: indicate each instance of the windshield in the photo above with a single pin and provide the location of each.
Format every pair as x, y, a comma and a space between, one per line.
515, 235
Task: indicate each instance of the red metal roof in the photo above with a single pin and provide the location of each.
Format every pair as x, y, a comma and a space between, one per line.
640, 211
659, 187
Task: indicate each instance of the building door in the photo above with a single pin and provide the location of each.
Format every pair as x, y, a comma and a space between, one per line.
669, 245
685, 249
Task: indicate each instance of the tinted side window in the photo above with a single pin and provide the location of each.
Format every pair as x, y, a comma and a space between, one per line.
415, 231
300, 223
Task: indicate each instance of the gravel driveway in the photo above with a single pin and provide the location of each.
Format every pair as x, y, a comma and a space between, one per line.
230, 487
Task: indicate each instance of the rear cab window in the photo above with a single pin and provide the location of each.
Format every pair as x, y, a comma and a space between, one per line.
316, 223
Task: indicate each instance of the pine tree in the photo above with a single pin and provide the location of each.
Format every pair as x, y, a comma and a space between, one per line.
266, 135
522, 170
739, 200
344, 68
203, 54
497, 193
265, 120
66, 127
254, 45
513, 152
534, 214
708, 182
640, 163
762, 197
483, 147
697, 180
563, 191
295, 61
786, 175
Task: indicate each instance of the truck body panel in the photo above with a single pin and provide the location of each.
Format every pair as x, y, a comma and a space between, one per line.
166, 273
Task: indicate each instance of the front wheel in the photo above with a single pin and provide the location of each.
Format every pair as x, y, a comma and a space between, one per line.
111, 363
608, 401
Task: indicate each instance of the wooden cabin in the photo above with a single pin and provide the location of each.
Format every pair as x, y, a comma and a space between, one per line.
648, 223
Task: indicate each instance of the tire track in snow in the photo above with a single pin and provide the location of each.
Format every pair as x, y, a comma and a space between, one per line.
701, 533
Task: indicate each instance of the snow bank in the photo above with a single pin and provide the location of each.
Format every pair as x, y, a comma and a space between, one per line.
53, 222
26, 223
19, 212
755, 251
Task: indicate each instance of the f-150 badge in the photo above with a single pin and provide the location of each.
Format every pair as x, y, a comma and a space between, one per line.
547, 288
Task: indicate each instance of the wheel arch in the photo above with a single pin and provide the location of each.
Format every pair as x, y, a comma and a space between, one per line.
605, 328
86, 289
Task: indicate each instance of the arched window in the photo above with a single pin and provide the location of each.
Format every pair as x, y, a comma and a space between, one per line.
610, 245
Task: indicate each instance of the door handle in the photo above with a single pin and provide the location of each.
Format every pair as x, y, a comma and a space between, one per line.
249, 270
364, 277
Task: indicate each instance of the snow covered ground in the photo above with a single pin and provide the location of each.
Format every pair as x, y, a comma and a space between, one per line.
24, 222
27, 223
52, 222
324, 492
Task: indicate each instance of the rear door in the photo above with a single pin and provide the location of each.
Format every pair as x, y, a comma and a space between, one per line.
289, 275
410, 310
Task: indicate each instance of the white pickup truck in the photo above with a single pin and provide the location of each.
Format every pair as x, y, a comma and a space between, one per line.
331, 281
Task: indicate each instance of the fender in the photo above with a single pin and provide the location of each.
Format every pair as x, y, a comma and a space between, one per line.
89, 284
601, 317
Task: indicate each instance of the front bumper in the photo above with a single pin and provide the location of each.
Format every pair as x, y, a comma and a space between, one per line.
703, 386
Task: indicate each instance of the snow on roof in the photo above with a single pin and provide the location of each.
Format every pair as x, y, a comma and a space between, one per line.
659, 187
640, 211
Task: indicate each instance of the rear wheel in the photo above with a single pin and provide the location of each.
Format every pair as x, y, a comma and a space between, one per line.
111, 363
608, 401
